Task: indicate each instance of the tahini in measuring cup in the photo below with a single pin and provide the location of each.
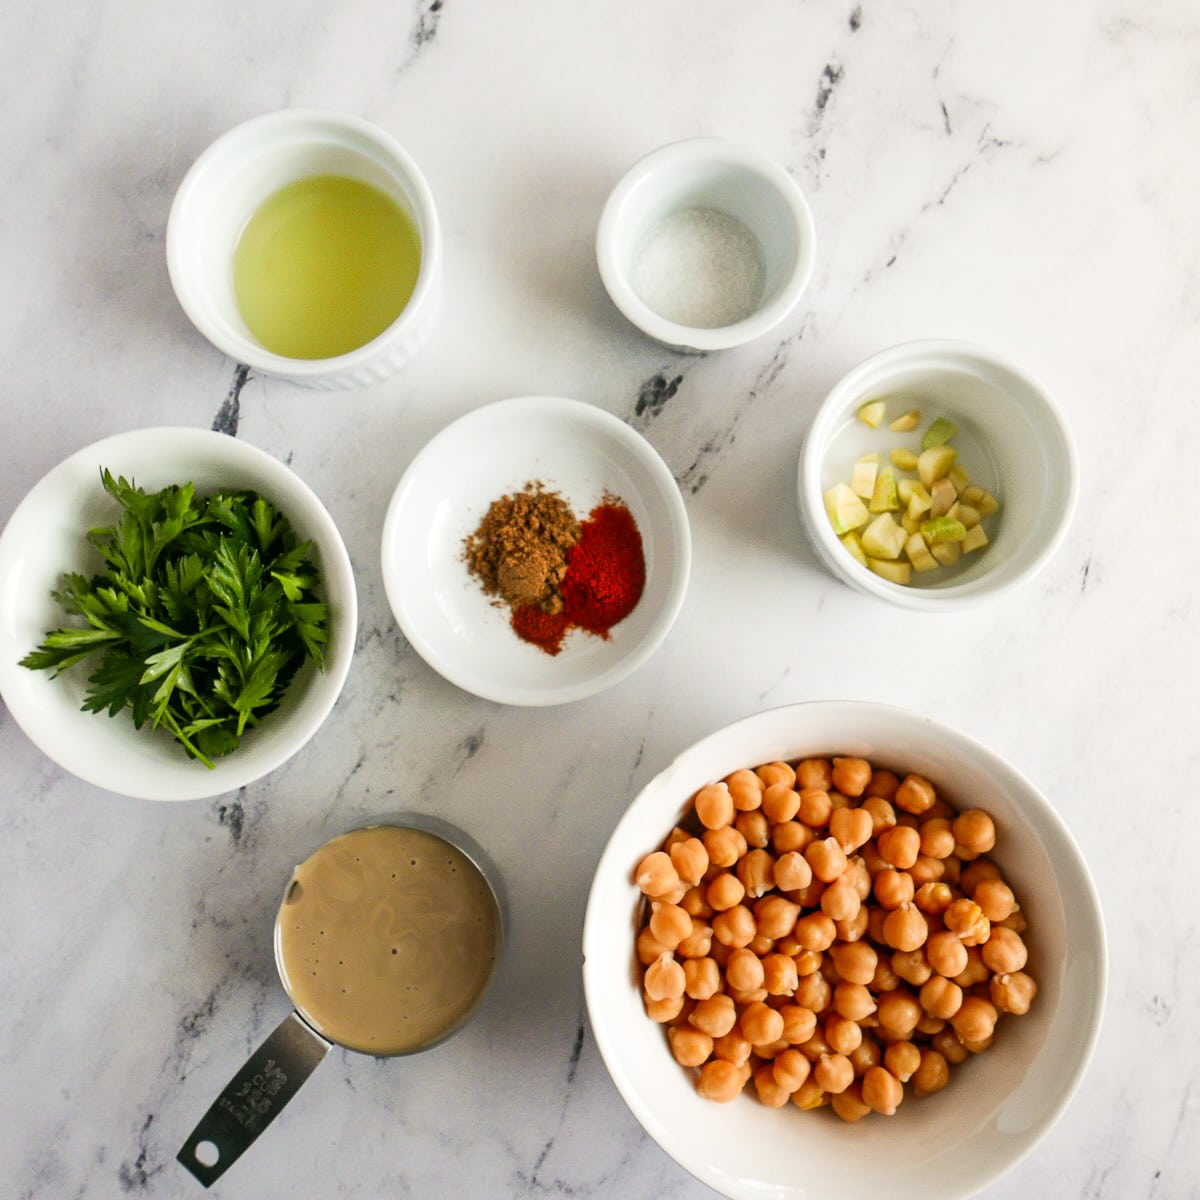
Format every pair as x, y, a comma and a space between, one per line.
386, 941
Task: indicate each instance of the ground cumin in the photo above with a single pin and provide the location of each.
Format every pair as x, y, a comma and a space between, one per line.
519, 551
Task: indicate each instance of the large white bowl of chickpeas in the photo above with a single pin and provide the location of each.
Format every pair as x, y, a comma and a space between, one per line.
836, 949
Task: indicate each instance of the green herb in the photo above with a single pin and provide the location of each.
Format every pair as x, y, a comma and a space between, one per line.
206, 610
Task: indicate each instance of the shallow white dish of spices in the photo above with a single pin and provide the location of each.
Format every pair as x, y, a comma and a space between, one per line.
46, 536
584, 454
997, 1105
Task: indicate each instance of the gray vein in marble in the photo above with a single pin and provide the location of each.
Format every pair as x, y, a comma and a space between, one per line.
653, 395
230, 412
856, 18
429, 14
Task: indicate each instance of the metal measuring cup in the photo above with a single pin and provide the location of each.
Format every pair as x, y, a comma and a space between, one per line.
273, 1074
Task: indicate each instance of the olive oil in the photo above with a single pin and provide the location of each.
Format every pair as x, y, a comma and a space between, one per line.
325, 265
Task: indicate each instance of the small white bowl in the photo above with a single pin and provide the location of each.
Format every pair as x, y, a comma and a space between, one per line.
1012, 440
229, 182
708, 174
575, 449
998, 1105
46, 536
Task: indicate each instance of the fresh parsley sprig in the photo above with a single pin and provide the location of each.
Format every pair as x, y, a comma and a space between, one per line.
205, 611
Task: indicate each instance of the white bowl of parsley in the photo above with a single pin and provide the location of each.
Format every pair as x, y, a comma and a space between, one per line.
177, 616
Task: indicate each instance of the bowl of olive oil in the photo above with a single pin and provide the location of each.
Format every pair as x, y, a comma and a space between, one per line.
306, 244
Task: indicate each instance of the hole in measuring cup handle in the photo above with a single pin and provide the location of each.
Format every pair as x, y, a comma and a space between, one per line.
253, 1098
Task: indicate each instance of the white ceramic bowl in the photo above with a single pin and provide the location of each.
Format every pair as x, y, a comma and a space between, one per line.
1012, 440
708, 174
46, 536
575, 449
229, 182
998, 1105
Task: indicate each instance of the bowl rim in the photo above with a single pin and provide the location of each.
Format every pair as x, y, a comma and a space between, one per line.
667, 490
272, 125
193, 782
956, 596
596, 921
667, 158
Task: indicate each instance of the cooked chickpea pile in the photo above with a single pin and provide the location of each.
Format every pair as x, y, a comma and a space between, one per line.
833, 933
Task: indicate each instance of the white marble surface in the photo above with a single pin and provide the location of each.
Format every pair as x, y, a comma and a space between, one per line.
1024, 175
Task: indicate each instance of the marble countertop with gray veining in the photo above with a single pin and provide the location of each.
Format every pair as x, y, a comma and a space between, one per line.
1021, 175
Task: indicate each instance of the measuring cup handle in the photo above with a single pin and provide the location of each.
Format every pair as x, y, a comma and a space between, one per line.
252, 1099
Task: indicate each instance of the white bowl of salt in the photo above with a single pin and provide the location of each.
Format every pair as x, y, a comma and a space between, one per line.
706, 244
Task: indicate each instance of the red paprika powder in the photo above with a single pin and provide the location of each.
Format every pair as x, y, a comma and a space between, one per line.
543, 629
606, 569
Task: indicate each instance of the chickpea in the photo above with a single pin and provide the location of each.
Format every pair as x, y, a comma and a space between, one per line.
829, 971
790, 835
780, 976
769, 1092
867, 1055
720, 952
965, 918
669, 924
912, 966
842, 1035
754, 827
975, 830
851, 775
809, 1096
881, 812
734, 927
937, 838
776, 772
695, 903
905, 928
815, 807
840, 900
744, 971
882, 1092
689, 1046
809, 962
725, 846
776, 916
975, 1019
855, 961
714, 806
756, 871
732, 1047
808, 897
715, 1016
932, 1075
656, 874
762, 946
933, 898
899, 846
780, 802
698, 943
815, 931
702, 978
725, 891
799, 1023
929, 1025
760, 1024
1013, 992
851, 827
915, 795
898, 1012
745, 789
815, 773
975, 971
853, 929
791, 1069
833, 1073
995, 898
876, 915
721, 1081
812, 991
976, 873
665, 1010
951, 869
941, 997
946, 954
949, 1047
849, 1105
979, 1046
690, 859
853, 1001
1015, 921
649, 948
927, 870
884, 979
893, 888
1004, 952
791, 871
827, 859
883, 785
902, 1059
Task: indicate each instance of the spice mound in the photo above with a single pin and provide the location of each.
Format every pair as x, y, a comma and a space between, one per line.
555, 572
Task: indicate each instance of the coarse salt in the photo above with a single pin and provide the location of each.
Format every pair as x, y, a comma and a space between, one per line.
699, 267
